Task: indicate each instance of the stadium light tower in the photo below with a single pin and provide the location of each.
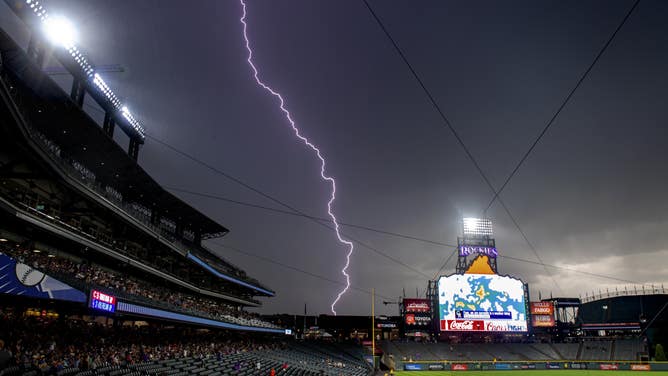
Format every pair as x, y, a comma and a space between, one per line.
477, 227
59, 31
61, 37
477, 239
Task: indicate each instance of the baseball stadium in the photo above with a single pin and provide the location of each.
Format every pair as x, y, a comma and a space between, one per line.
105, 272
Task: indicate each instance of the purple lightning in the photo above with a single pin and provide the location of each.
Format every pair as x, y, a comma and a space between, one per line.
310, 145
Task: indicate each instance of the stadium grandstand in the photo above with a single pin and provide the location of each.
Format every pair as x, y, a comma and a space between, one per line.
104, 272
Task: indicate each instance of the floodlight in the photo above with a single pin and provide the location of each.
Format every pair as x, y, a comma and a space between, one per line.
60, 31
477, 227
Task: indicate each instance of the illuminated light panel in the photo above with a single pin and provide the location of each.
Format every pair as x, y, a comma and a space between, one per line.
102, 301
477, 227
311, 146
61, 32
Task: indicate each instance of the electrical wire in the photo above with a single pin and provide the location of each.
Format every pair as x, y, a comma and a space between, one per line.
293, 268
403, 236
561, 107
448, 125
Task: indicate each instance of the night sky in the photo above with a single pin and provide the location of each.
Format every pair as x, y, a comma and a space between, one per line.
592, 196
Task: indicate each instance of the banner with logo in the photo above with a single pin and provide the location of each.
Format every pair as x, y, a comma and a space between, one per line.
414, 367
413, 319
21, 279
542, 321
542, 314
641, 367
460, 367
609, 367
542, 308
416, 305
480, 326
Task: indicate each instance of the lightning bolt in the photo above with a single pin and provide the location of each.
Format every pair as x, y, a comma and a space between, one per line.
314, 148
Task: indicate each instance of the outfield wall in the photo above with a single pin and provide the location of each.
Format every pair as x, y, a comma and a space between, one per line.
529, 365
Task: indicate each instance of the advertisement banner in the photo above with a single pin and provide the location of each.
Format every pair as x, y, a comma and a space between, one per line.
502, 366
609, 367
481, 326
542, 308
460, 367
416, 305
436, 367
414, 367
552, 366
415, 319
21, 279
641, 367
482, 302
543, 321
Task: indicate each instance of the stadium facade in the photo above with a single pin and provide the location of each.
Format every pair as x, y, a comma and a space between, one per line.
76, 204
102, 271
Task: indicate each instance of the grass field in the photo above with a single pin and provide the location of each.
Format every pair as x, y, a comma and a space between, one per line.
523, 372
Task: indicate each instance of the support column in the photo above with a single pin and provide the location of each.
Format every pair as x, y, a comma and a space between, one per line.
198, 237
108, 125
77, 94
133, 149
179, 229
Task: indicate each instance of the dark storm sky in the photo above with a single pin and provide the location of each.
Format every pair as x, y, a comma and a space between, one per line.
591, 197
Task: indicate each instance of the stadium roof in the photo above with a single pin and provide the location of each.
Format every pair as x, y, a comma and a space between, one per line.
81, 138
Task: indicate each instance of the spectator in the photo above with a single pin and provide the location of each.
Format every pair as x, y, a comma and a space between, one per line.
5, 356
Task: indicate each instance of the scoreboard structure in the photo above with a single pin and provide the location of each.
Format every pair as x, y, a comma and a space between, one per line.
476, 299
482, 303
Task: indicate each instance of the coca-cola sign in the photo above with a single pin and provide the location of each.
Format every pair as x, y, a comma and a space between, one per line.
463, 325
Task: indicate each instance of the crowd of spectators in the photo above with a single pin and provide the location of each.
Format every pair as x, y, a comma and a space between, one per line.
66, 268
51, 345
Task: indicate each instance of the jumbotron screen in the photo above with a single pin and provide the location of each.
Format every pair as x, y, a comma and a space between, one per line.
481, 303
